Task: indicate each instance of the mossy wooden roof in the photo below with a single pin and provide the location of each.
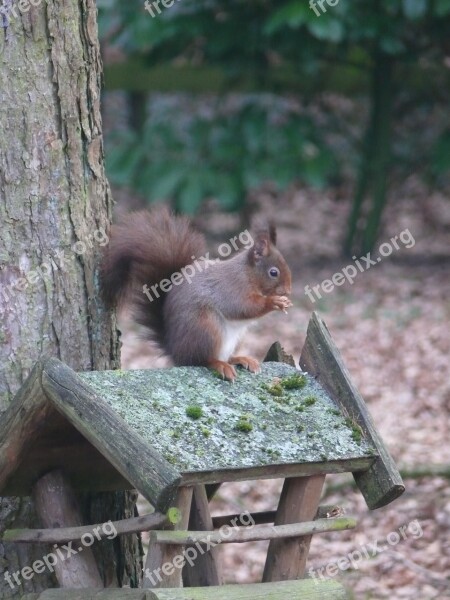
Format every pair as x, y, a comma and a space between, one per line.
122, 429
239, 426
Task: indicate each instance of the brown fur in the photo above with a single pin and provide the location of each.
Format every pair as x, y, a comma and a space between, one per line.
147, 247
191, 321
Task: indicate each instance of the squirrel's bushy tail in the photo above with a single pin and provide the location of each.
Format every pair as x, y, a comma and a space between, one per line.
146, 247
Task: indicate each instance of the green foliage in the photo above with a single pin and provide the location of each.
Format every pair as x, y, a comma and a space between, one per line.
223, 152
190, 157
242, 36
440, 164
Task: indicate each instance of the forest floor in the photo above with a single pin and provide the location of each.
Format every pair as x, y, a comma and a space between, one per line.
392, 326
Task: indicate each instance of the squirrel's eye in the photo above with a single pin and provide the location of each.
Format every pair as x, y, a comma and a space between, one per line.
274, 272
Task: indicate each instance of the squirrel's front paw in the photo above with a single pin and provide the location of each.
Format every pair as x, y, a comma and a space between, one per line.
280, 303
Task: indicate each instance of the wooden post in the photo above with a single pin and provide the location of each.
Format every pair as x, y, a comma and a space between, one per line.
56, 506
164, 564
299, 501
206, 568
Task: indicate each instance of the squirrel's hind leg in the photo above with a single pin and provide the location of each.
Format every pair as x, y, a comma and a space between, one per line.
196, 339
225, 370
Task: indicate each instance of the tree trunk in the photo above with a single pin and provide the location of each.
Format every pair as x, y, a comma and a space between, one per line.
371, 188
55, 207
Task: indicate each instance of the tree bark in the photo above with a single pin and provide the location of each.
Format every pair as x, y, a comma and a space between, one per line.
55, 208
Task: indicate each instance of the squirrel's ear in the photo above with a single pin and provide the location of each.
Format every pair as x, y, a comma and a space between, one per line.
272, 232
264, 227
264, 235
261, 246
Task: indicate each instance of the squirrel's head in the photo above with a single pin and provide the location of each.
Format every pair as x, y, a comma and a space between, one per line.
273, 273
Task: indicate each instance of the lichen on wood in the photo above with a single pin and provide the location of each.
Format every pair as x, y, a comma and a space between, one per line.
155, 405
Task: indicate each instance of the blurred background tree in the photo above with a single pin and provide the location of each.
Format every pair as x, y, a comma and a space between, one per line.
225, 97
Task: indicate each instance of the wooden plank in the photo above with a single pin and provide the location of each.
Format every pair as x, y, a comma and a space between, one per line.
21, 423
239, 535
92, 594
381, 483
278, 471
306, 589
206, 569
59, 445
299, 501
164, 564
151, 474
276, 353
56, 506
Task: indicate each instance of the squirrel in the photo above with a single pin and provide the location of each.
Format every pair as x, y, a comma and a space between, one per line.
197, 310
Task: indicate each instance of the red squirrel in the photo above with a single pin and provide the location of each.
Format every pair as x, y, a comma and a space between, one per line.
196, 320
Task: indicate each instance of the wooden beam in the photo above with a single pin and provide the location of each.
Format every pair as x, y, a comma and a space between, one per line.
285, 470
211, 489
206, 569
153, 476
92, 594
58, 444
154, 520
299, 501
21, 423
306, 589
259, 518
66, 534
135, 75
381, 483
164, 564
325, 511
276, 353
56, 506
239, 535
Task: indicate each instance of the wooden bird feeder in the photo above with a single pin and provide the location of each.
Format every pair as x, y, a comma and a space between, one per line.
175, 435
